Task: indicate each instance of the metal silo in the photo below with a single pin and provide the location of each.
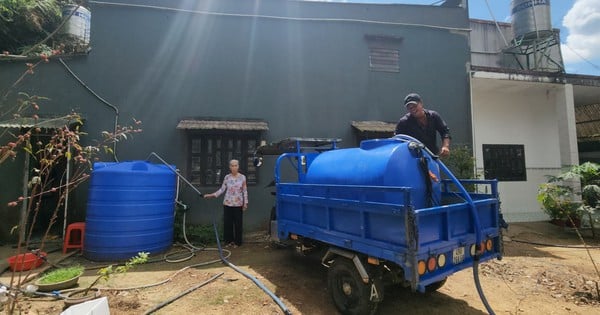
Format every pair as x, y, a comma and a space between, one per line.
531, 18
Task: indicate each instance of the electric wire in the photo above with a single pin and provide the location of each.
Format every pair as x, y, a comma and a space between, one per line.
275, 17
583, 58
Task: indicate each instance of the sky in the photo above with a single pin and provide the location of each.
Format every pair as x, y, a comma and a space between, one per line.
578, 21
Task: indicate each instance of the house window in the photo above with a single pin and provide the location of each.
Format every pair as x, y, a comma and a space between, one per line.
212, 143
504, 162
384, 53
210, 154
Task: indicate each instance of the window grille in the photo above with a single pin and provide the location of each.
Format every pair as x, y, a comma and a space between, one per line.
504, 162
210, 154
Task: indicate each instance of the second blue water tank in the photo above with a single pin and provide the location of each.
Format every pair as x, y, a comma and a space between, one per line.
382, 162
130, 209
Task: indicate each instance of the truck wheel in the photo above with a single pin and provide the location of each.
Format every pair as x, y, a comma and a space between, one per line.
348, 291
435, 286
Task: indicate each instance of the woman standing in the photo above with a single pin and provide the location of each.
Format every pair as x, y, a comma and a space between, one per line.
234, 203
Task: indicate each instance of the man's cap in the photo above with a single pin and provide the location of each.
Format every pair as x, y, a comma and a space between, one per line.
412, 98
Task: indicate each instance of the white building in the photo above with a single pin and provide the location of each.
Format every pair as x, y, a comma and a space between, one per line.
523, 109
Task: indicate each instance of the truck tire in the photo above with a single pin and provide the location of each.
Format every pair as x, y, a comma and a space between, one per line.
348, 291
435, 286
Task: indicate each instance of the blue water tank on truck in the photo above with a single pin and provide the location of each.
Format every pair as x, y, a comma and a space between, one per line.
382, 215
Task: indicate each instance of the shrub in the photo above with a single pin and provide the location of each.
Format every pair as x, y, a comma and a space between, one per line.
557, 201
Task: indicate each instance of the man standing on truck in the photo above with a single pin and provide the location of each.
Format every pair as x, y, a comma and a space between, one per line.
422, 124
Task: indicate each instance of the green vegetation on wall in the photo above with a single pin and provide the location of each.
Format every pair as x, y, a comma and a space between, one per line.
25, 22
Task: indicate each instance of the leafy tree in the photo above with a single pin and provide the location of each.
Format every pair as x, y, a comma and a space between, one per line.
25, 22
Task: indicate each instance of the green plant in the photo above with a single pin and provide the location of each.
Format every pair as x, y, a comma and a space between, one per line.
589, 176
24, 22
106, 272
461, 162
196, 234
557, 201
61, 274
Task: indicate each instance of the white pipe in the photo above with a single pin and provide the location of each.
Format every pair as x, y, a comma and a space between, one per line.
67, 189
24, 205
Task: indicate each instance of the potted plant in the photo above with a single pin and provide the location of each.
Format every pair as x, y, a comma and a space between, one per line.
59, 279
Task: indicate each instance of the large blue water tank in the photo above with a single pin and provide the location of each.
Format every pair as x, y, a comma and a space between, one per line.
130, 209
380, 162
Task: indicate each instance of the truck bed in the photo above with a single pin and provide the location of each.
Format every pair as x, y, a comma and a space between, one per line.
353, 217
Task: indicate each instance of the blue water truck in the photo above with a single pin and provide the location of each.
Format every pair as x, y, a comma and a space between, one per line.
386, 213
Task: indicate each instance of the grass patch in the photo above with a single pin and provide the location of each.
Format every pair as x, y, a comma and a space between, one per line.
61, 274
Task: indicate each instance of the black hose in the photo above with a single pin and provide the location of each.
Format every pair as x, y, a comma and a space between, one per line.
555, 245
423, 163
216, 230
247, 275
478, 286
165, 303
477, 235
105, 102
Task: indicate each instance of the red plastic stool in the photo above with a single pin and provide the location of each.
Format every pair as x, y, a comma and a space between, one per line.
74, 236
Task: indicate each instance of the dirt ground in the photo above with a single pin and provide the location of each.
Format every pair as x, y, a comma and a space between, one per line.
532, 278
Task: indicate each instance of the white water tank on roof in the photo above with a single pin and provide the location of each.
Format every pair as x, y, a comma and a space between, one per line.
78, 25
531, 18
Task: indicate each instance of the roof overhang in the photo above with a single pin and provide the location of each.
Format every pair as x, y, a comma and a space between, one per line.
586, 88
374, 126
588, 122
231, 125
44, 123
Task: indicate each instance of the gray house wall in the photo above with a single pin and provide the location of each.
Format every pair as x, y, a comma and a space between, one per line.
303, 67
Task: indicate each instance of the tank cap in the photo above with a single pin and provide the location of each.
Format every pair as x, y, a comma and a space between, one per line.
139, 166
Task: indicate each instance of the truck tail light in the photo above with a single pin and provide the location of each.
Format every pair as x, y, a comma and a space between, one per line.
441, 260
421, 268
373, 261
489, 244
431, 263
473, 250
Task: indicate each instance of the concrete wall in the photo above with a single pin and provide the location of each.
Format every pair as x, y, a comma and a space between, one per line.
301, 66
487, 43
